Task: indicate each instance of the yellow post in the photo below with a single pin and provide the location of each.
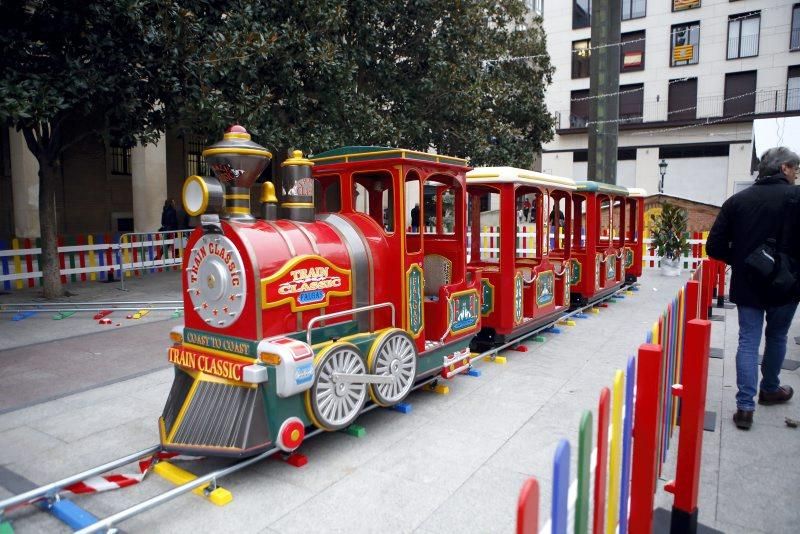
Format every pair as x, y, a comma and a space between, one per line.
614, 463
92, 257
179, 477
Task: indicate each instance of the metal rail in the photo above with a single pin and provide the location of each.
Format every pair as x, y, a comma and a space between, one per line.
50, 490
109, 303
21, 310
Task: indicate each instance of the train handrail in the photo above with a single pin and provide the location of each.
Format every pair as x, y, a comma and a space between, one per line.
347, 312
532, 280
565, 266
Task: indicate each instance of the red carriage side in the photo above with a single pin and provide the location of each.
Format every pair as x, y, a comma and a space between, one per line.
634, 236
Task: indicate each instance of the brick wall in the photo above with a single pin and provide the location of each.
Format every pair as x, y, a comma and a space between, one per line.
701, 216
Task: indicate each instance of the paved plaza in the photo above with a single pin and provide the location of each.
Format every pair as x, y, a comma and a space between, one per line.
74, 394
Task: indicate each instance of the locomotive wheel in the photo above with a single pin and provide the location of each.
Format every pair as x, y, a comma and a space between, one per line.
334, 405
393, 354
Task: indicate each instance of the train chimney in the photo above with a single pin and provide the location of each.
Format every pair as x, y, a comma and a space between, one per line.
298, 188
237, 162
269, 203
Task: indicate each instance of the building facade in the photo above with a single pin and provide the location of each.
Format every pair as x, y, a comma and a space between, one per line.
694, 75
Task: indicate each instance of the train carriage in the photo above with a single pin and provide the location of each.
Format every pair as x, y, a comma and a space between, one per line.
525, 268
598, 241
324, 302
634, 236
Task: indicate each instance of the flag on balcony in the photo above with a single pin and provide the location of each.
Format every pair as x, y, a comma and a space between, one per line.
632, 59
677, 5
683, 53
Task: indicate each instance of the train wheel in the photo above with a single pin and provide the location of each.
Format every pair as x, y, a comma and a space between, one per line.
393, 354
336, 404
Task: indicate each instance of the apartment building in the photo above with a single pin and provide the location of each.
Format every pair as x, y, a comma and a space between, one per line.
694, 75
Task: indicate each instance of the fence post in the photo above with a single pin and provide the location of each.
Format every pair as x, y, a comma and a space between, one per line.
528, 508
645, 436
690, 442
691, 295
705, 283
601, 463
720, 284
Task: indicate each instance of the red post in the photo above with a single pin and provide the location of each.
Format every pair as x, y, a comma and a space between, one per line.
720, 284
601, 462
691, 296
528, 508
705, 287
685, 487
645, 435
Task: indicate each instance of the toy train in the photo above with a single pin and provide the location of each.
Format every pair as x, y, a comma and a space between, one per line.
377, 269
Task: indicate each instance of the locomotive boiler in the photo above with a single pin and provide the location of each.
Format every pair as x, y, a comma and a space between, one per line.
327, 300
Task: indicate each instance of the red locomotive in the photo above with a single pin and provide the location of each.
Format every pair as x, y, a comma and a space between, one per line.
369, 276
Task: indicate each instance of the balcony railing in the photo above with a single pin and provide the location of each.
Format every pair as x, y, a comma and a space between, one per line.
708, 107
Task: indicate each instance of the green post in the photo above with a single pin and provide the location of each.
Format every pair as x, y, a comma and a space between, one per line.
584, 473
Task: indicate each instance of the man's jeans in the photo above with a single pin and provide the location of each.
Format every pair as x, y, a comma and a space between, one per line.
751, 322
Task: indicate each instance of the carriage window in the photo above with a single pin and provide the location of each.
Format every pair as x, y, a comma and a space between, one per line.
603, 220
483, 226
530, 203
632, 230
415, 213
558, 222
327, 194
578, 222
617, 229
440, 208
373, 196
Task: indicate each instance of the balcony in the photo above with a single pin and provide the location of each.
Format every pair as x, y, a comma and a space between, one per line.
709, 109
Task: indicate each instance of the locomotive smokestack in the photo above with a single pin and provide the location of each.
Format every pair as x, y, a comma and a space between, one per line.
298, 188
237, 162
269, 203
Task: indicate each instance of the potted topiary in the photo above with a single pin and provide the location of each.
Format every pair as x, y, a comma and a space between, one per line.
668, 231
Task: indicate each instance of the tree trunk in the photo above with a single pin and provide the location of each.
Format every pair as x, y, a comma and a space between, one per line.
48, 262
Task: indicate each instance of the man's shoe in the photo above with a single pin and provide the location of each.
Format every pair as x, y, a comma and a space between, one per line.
783, 394
743, 419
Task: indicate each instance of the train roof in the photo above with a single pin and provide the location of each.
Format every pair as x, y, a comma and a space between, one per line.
600, 187
348, 154
489, 175
636, 192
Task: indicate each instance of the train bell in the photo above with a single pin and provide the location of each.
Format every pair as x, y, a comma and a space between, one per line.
237, 162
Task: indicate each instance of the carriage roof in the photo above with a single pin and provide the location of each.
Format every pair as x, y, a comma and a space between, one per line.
348, 154
493, 175
600, 187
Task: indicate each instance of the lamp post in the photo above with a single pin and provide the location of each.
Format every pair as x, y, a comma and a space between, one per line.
662, 168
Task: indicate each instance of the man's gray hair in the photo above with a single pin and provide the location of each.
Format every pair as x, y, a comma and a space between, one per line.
772, 159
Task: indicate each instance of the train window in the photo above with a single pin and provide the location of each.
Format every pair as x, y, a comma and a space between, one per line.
530, 203
617, 213
558, 222
632, 230
483, 226
603, 220
441, 200
327, 194
373, 195
578, 222
414, 213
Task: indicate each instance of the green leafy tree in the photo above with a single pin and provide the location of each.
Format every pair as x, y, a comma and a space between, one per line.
313, 74
669, 231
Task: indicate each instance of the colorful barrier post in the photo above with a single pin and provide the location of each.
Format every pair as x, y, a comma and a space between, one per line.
690, 443
528, 508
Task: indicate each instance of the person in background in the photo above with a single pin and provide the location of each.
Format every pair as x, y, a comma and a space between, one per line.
745, 222
526, 208
169, 223
415, 218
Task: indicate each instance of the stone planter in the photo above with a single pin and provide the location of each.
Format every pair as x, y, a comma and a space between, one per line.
670, 267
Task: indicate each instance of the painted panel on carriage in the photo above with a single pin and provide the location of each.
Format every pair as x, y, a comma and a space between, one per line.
487, 297
518, 297
575, 272
463, 311
597, 271
628, 258
306, 283
545, 288
414, 284
611, 267
234, 345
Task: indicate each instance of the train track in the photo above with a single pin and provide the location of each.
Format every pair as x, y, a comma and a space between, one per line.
50, 492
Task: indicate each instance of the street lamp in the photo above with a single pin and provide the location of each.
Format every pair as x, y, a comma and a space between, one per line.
662, 168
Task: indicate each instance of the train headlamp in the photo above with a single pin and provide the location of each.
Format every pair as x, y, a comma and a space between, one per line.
203, 194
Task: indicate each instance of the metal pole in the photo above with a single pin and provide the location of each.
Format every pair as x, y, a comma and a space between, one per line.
604, 80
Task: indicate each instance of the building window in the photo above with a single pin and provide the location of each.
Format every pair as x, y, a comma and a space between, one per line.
535, 6
581, 14
631, 103
120, 160
580, 58
740, 93
743, 33
632, 51
579, 109
633, 9
685, 44
195, 163
680, 5
793, 89
794, 39
682, 99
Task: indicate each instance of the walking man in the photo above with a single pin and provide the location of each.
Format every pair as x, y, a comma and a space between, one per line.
745, 222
